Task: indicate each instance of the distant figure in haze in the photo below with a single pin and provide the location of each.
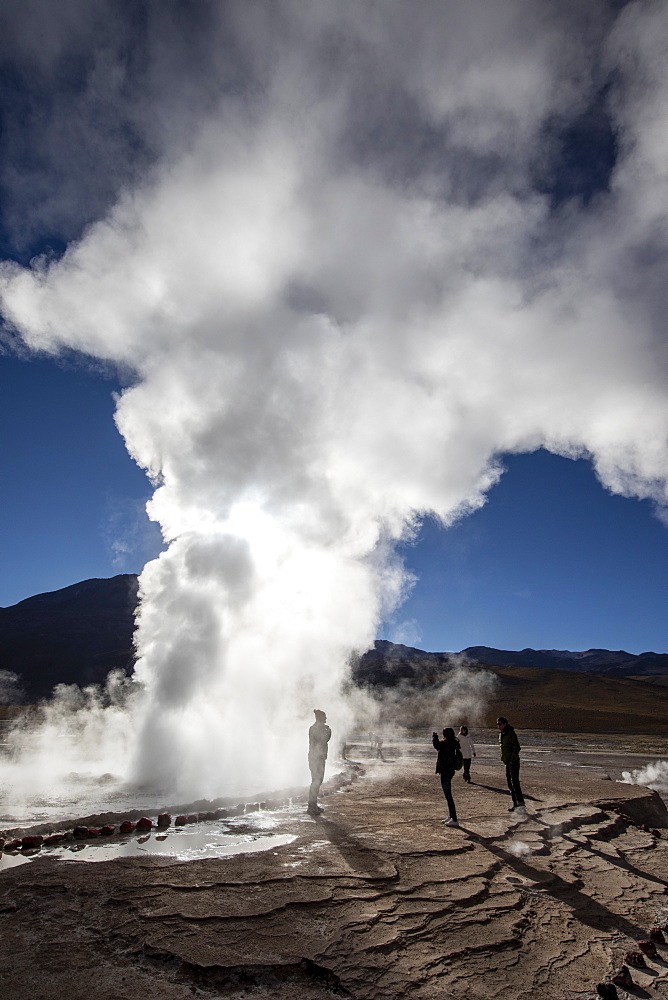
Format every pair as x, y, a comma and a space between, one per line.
468, 751
318, 738
510, 755
445, 766
379, 746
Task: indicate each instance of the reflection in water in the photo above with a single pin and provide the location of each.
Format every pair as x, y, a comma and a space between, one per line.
206, 840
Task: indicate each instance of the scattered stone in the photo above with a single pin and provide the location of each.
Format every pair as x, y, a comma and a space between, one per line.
54, 838
623, 978
126, 826
164, 819
607, 990
2, 843
13, 845
647, 948
193, 818
32, 840
252, 807
144, 823
636, 959
656, 935
274, 804
180, 821
107, 831
656, 833
93, 831
221, 813
80, 833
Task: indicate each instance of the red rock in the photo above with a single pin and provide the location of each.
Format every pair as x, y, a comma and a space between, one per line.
164, 819
607, 991
32, 840
107, 831
180, 821
656, 935
80, 832
144, 823
13, 845
635, 958
93, 831
54, 838
2, 843
647, 948
193, 818
126, 826
623, 977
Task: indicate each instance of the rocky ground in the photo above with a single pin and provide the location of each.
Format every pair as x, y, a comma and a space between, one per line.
373, 899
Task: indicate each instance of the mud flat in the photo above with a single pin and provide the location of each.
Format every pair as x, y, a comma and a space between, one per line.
374, 899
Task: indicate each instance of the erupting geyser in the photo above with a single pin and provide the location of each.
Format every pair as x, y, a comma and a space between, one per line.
343, 293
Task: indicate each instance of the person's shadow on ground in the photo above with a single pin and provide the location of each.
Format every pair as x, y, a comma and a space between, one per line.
502, 791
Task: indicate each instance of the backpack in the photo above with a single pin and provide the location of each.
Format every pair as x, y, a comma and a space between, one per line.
459, 759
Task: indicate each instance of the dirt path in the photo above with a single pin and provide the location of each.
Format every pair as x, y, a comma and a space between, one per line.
374, 899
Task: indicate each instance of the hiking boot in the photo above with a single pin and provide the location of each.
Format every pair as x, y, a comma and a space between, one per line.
450, 822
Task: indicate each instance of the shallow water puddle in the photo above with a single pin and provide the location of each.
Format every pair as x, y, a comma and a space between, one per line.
183, 844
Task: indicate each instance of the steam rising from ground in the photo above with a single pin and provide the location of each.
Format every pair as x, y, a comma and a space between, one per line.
654, 776
347, 281
460, 698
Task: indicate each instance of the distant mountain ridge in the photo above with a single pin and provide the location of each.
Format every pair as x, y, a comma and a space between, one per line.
78, 634
617, 663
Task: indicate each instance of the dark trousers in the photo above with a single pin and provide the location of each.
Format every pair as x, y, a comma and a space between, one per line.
317, 767
513, 779
446, 785
467, 769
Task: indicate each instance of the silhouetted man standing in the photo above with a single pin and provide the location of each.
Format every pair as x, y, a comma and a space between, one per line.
318, 738
510, 755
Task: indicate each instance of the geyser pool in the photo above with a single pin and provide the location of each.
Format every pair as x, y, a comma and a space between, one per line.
212, 839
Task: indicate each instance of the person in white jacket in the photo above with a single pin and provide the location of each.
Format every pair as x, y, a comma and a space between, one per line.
468, 751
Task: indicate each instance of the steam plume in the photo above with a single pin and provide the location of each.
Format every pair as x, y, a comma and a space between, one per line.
347, 282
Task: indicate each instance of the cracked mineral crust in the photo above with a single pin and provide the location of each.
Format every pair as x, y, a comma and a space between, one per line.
374, 900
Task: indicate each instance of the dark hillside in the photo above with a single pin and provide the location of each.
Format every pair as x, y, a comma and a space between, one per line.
73, 636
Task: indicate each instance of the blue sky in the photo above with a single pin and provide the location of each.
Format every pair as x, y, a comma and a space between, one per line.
551, 561
72, 499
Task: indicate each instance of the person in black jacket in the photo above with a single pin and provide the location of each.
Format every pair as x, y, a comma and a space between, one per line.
510, 756
445, 766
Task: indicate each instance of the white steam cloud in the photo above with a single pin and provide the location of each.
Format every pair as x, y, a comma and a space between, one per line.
654, 776
346, 286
